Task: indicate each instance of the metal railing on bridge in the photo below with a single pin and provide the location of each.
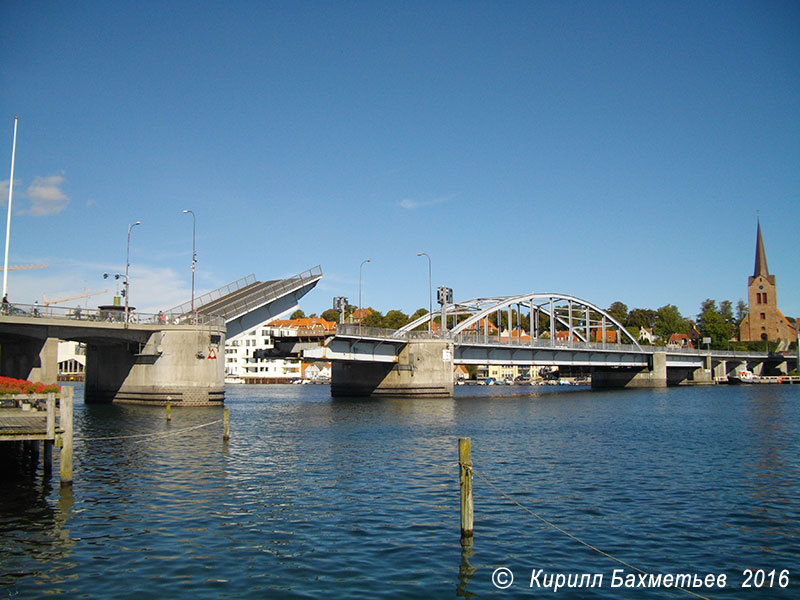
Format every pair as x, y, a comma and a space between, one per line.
208, 297
105, 315
475, 338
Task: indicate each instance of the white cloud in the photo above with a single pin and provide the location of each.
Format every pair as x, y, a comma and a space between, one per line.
46, 197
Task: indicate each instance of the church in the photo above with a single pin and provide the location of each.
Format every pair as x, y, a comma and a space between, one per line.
763, 321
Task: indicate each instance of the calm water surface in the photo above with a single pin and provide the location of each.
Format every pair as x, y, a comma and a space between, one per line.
316, 497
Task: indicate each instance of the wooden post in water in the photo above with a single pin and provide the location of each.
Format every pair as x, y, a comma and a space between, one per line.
465, 483
51, 434
169, 411
65, 423
226, 431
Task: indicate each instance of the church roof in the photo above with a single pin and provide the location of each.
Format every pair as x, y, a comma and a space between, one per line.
761, 257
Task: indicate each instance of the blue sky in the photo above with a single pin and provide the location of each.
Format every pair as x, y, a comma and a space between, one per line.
612, 151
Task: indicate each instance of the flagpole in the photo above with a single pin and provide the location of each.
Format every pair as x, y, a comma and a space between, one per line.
8, 221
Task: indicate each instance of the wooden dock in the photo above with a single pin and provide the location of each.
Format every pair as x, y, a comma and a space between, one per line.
45, 418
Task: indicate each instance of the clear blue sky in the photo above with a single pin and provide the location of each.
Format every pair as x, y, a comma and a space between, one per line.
613, 151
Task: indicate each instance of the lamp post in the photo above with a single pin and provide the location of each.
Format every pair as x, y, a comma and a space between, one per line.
127, 267
194, 254
360, 269
430, 291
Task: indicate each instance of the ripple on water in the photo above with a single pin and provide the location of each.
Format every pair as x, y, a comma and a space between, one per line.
316, 496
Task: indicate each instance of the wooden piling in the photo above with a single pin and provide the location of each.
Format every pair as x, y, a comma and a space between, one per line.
50, 434
65, 422
465, 483
225, 425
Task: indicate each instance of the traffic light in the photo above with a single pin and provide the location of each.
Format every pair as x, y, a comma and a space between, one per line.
444, 295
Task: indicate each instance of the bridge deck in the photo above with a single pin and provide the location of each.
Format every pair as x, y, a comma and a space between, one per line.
219, 306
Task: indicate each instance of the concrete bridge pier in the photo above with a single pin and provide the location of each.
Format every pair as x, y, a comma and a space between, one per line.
721, 370
701, 375
34, 359
632, 377
180, 364
424, 369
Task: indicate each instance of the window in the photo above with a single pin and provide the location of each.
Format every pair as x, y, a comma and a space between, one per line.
764, 297
763, 316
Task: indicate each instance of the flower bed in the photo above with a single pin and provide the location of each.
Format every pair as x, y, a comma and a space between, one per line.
9, 385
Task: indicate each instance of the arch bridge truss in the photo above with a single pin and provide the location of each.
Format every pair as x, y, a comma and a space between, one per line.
526, 319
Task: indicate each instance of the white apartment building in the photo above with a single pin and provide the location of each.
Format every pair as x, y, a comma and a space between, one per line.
241, 366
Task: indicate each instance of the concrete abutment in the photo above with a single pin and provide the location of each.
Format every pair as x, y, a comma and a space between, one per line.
424, 369
183, 365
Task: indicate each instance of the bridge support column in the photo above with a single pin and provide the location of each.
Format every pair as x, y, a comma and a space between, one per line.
628, 377
183, 365
30, 358
424, 370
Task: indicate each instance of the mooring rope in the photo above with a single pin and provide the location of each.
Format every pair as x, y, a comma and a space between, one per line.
571, 536
147, 436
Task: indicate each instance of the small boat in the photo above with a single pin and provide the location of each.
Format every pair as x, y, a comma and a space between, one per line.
741, 376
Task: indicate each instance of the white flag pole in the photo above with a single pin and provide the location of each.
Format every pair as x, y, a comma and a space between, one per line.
8, 221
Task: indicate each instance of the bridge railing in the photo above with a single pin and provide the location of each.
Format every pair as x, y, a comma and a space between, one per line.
380, 332
473, 338
237, 285
115, 315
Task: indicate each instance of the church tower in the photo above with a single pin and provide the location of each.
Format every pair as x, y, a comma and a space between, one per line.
763, 321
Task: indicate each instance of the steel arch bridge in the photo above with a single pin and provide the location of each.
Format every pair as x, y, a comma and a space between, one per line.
548, 315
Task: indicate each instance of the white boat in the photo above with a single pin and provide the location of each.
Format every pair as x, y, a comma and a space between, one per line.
741, 376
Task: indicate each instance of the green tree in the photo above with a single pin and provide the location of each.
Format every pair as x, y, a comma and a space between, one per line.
395, 319
641, 317
373, 319
741, 311
331, 315
618, 311
716, 323
669, 321
298, 314
634, 331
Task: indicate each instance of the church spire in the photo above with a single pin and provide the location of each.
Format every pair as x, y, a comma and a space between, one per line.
761, 257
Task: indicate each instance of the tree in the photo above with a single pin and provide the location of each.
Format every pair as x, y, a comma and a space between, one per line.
373, 319
298, 314
332, 315
716, 323
741, 311
669, 321
394, 319
641, 317
618, 311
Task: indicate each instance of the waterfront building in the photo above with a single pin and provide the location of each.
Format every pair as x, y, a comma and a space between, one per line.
71, 361
764, 322
246, 359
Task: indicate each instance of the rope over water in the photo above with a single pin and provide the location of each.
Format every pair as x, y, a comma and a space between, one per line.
148, 435
569, 535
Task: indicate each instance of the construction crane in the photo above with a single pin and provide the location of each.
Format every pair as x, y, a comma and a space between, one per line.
49, 302
24, 267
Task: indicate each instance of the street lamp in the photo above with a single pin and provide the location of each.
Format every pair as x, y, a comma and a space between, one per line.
127, 267
194, 254
360, 269
430, 291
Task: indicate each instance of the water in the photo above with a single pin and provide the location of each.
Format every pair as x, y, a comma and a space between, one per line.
317, 497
